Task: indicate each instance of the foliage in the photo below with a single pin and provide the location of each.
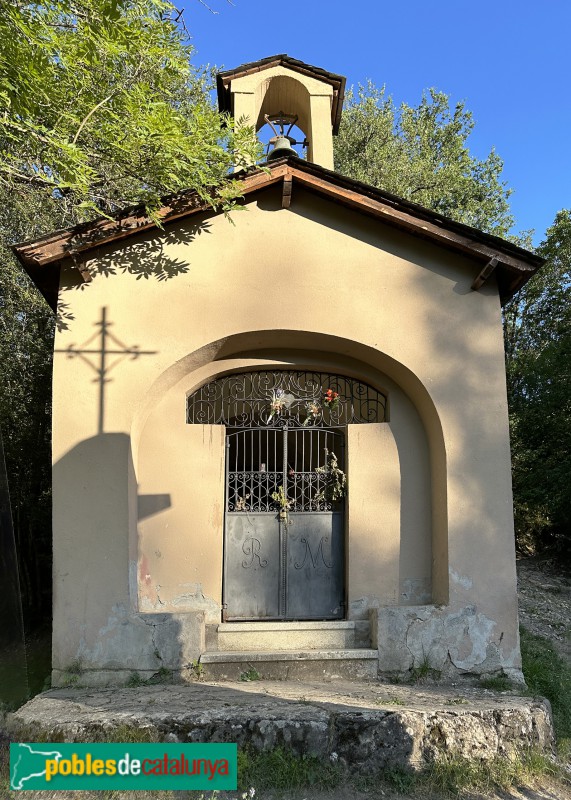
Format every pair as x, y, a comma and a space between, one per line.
389, 700
196, 669
280, 497
315, 406
134, 680
282, 769
537, 325
129, 733
100, 107
549, 675
278, 404
251, 674
423, 671
456, 775
497, 683
26, 337
335, 480
331, 399
420, 153
163, 675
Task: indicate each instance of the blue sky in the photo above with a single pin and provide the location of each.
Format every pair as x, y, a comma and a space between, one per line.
509, 61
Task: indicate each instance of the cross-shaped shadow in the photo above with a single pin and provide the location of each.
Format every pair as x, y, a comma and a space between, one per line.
103, 344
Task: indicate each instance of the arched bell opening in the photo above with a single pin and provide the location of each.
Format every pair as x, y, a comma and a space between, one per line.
286, 95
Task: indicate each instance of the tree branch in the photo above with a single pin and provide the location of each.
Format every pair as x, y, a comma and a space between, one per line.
202, 3
212, 11
30, 180
91, 113
421, 188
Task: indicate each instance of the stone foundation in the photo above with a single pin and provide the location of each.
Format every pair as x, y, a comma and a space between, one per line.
368, 726
441, 643
444, 643
140, 644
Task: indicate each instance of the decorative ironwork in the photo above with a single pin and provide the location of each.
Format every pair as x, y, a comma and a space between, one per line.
286, 398
257, 474
285, 487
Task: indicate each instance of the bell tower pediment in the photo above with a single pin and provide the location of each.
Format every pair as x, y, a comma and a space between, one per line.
283, 85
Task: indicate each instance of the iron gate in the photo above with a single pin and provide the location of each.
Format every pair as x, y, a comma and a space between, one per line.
284, 540
284, 528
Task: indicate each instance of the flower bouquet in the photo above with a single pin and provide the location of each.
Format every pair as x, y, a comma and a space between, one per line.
331, 399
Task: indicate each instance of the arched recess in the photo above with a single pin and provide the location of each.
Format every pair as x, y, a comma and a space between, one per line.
283, 94
407, 458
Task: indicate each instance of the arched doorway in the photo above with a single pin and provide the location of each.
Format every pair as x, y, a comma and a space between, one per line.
284, 538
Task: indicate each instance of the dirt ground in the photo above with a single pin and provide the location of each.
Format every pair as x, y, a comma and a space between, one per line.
544, 595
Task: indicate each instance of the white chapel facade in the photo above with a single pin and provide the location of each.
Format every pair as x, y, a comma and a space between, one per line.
283, 441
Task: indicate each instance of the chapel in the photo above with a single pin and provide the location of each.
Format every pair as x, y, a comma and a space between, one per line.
281, 444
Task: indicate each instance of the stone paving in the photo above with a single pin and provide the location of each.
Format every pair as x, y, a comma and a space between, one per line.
366, 725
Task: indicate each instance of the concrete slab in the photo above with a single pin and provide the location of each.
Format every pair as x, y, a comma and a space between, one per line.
367, 725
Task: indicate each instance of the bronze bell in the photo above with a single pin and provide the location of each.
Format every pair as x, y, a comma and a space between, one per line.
282, 148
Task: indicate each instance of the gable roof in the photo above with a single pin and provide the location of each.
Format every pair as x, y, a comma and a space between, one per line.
513, 265
224, 79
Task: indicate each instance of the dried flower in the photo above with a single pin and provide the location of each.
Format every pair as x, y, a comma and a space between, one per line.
333, 480
277, 403
312, 409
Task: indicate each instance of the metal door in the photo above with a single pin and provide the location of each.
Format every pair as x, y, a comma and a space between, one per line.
283, 559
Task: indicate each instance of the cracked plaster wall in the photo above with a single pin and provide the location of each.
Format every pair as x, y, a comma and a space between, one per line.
135, 643
451, 642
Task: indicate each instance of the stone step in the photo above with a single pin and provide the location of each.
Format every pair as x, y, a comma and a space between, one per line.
246, 636
324, 664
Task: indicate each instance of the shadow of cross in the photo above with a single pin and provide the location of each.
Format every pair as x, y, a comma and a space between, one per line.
108, 351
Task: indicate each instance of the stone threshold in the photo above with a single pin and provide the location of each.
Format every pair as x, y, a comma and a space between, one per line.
230, 656
278, 626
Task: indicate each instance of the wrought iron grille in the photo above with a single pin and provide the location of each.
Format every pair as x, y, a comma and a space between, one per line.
260, 461
286, 398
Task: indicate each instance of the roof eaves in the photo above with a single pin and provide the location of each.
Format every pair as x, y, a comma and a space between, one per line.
60, 244
516, 266
420, 213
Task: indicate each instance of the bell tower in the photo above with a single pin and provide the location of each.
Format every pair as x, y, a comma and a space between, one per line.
279, 87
